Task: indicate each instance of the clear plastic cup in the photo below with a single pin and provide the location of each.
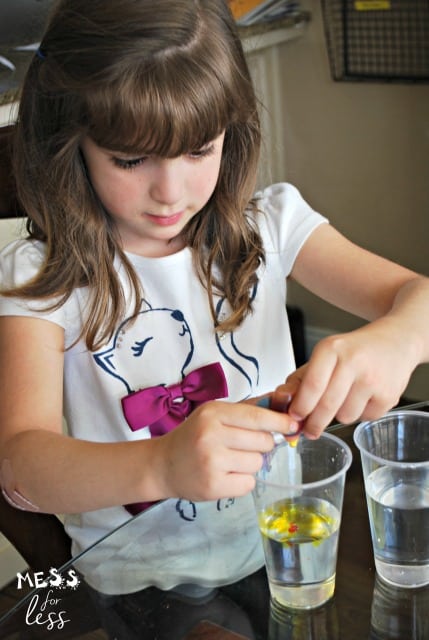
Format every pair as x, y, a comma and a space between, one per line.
395, 461
298, 498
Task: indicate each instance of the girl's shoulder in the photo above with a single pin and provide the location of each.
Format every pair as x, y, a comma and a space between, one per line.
282, 200
20, 260
278, 195
281, 212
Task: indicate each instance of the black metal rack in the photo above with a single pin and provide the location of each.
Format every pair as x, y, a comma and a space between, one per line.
378, 39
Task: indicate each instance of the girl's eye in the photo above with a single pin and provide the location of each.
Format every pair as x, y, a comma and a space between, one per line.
202, 153
131, 163
125, 163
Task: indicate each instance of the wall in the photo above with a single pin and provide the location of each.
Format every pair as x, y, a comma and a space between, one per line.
359, 153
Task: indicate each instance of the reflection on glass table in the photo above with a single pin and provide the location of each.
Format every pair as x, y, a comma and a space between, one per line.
362, 607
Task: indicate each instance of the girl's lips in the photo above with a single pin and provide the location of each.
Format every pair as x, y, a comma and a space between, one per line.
165, 221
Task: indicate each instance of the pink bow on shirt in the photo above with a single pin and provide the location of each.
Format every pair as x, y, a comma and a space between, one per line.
163, 408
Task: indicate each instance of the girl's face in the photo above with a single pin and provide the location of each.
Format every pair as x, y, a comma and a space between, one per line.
151, 199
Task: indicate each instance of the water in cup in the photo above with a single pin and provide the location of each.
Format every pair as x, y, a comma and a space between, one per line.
399, 517
395, 462
298, 498
300, 539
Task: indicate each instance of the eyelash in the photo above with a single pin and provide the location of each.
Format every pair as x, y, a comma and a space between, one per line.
127, 164
135, 162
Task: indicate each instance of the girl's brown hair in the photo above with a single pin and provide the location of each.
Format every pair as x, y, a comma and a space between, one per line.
137, 77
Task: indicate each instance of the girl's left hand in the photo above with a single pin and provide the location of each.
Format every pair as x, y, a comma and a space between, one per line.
351, 376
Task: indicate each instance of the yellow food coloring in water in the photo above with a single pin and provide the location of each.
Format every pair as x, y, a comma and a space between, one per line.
292, 523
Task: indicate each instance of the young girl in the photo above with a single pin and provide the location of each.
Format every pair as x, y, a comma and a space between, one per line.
148, 301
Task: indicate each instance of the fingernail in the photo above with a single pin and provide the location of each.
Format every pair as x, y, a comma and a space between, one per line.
293, 428
311, 436
277, 437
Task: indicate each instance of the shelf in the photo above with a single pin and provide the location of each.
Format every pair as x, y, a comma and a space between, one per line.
268, 34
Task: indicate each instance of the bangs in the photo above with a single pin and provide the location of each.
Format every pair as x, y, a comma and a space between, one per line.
166, 110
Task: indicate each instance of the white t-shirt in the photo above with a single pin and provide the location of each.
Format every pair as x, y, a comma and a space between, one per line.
208, 543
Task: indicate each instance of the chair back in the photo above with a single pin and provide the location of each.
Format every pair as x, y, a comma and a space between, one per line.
39, 538
9, 207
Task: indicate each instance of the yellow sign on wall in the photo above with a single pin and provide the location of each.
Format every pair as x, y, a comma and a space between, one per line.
372, 5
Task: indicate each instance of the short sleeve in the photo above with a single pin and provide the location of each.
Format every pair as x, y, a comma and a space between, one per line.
20, 261
286, 223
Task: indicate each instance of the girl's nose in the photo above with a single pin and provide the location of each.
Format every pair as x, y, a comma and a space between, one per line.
168, 181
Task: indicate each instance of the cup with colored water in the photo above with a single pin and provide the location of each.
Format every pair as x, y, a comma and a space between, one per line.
395, 461
298, 497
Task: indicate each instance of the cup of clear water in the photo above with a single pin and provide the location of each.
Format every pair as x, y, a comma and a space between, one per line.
298, 497
395, 461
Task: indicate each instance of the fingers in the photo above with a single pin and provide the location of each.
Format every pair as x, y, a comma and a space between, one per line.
246, 415
247, 440
227, 441
280, 400
312, 383
247, 462
236, 484
321, 399
349, 377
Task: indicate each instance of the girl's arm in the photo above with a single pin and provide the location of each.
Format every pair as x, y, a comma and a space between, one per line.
360, 374
213, 454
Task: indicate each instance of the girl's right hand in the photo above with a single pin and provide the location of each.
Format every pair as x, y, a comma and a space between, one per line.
217, 450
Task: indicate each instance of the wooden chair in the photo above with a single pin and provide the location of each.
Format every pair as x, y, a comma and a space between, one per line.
39, 538
9, 207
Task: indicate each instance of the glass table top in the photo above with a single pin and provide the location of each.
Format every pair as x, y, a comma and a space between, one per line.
363, 607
